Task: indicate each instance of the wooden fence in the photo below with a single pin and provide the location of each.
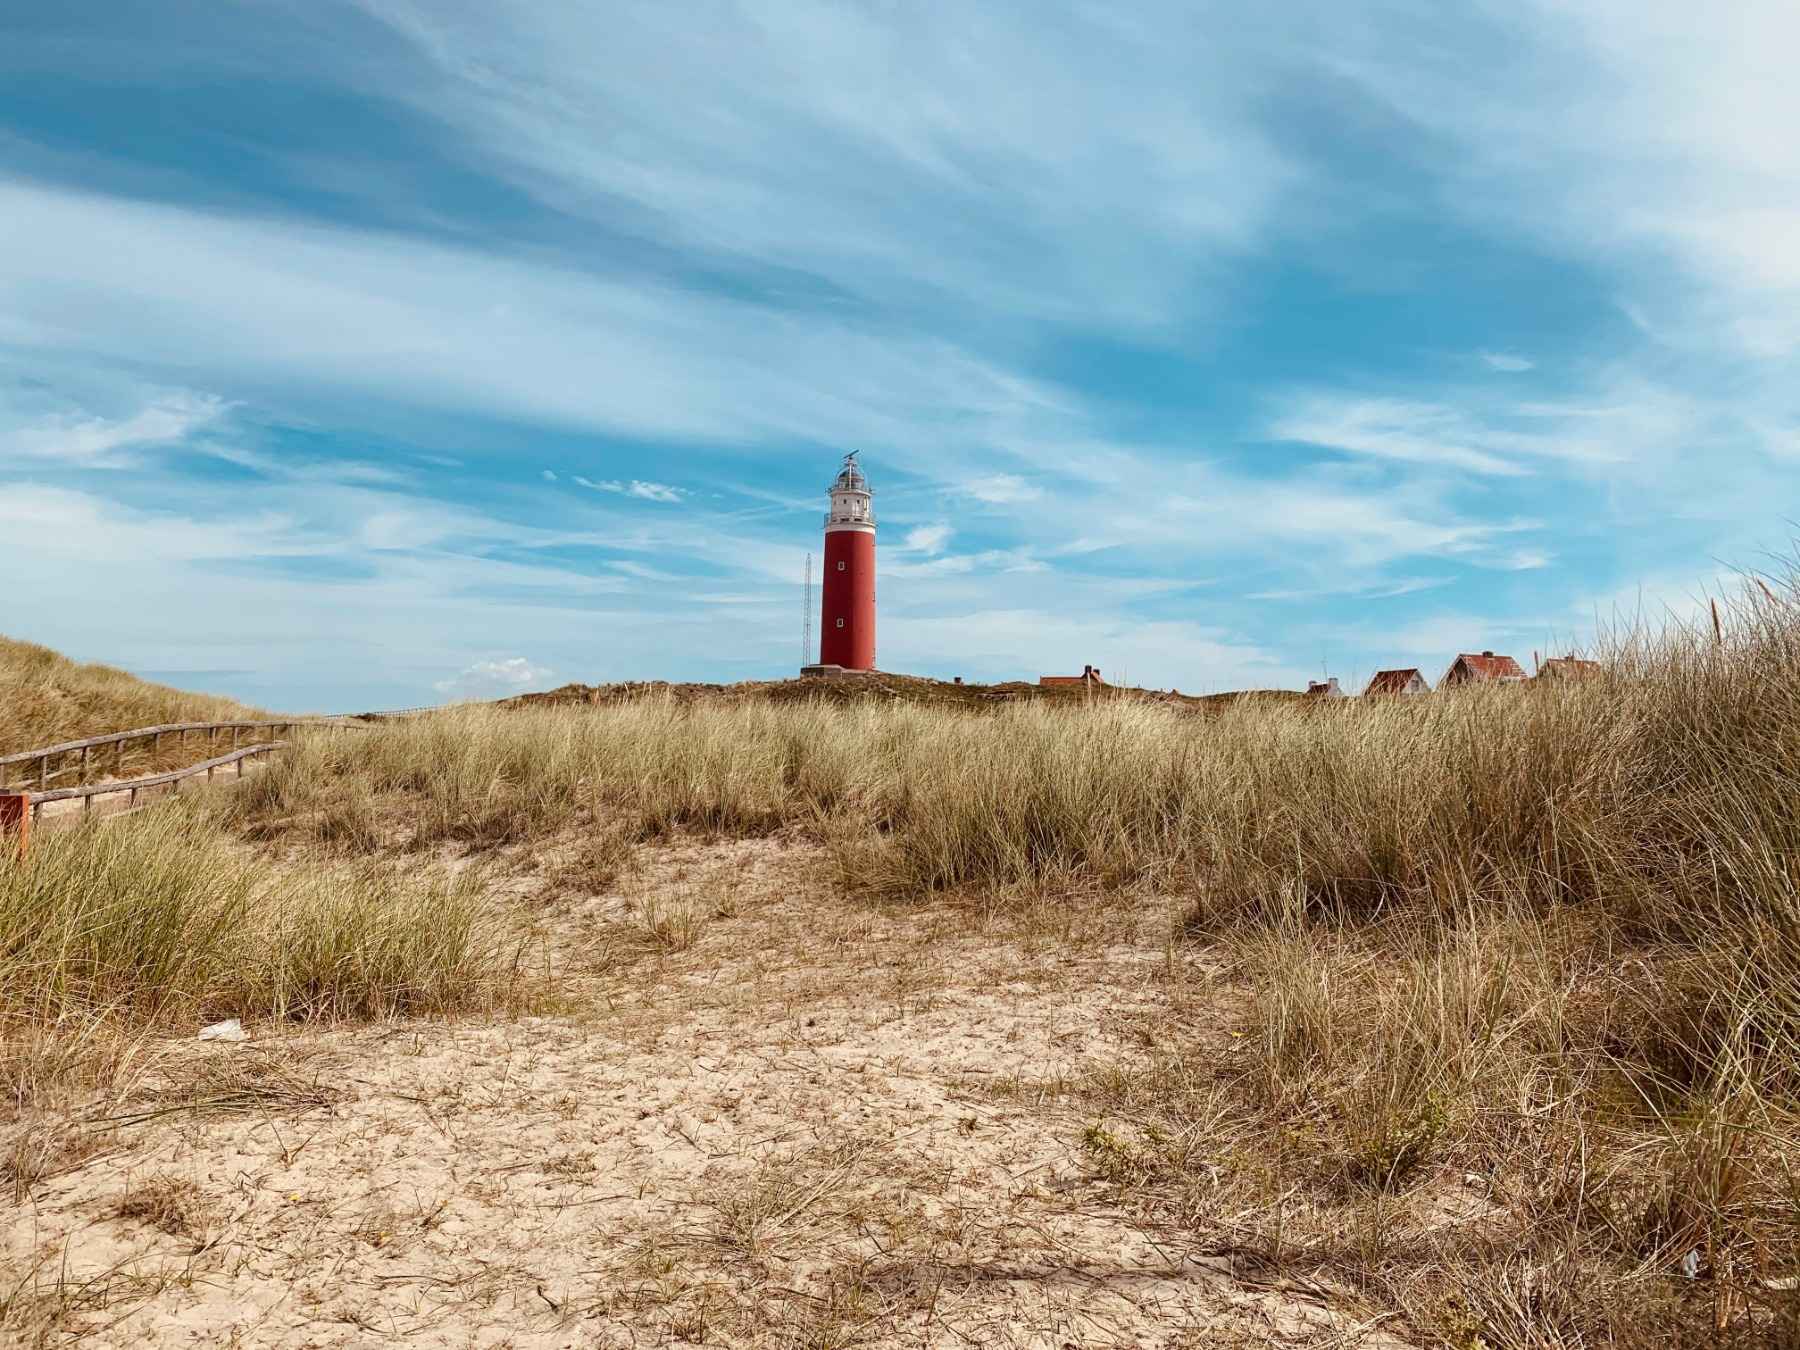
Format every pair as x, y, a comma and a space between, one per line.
172, 779
119, 739
23, 802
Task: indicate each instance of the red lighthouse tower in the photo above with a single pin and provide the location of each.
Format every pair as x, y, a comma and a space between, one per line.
847, 615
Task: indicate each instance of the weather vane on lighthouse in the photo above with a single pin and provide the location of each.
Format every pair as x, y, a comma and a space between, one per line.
847, 592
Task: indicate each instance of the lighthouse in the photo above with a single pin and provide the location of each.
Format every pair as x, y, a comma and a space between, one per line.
847, 611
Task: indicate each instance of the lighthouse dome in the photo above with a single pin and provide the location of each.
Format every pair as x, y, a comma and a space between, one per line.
850, 478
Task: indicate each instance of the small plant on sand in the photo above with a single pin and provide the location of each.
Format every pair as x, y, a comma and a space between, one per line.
167, 1202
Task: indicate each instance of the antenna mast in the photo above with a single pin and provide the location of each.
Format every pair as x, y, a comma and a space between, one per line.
806, 617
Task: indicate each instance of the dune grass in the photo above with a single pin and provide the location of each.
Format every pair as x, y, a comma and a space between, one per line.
160, 922
1518, 968
1511, 1037
45, 699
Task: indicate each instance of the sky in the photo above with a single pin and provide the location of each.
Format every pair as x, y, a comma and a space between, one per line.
372, 355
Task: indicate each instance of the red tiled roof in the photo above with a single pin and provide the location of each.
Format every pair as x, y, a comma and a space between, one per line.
1392, 681
1559, 666
1487, 666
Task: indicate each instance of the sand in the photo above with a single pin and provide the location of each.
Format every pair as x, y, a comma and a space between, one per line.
745, 1111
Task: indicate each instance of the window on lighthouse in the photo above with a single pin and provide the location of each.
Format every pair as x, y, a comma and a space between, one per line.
840, 567
840, 623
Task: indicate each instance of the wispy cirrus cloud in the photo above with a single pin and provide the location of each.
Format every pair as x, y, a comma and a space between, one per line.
359, 311
89, 441
928, 538
1475, 436
1000, 489
1510, 363
636, 487
887, 152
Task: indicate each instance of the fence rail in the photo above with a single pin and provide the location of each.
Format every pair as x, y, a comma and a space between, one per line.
118, 740
173, 779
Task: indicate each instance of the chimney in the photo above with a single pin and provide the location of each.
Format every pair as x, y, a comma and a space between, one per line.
1487, 653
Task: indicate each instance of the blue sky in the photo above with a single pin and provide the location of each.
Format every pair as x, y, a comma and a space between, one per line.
373, 354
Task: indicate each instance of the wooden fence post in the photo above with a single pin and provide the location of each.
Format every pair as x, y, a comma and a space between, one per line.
15, 814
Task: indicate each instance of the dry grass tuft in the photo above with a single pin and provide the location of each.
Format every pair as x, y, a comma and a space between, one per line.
170, 1203
41, 1149
600, 857
672, 926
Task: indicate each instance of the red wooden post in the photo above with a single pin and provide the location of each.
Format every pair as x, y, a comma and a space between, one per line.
15, 814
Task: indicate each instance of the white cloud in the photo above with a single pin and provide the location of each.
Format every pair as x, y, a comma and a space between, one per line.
494, 679
654, 492
1620, 427
1418, 433
987, 562
650, 492
1000, 489
1507, 361
1044, 161
1525, 560
1645, 138
1381, 590
96, 442
456, 330
77, 527
549, 477
642, 572
928, 538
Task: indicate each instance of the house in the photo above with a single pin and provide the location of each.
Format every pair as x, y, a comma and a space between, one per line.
1326, 688
1089, 675
1567, 668
1481, 668
1408, 681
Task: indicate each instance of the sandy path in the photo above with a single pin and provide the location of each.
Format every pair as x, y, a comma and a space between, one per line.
754, 1114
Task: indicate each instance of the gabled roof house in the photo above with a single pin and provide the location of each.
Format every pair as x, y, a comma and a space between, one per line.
1408, 681
1481, 668
1567, 668
1090, 675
